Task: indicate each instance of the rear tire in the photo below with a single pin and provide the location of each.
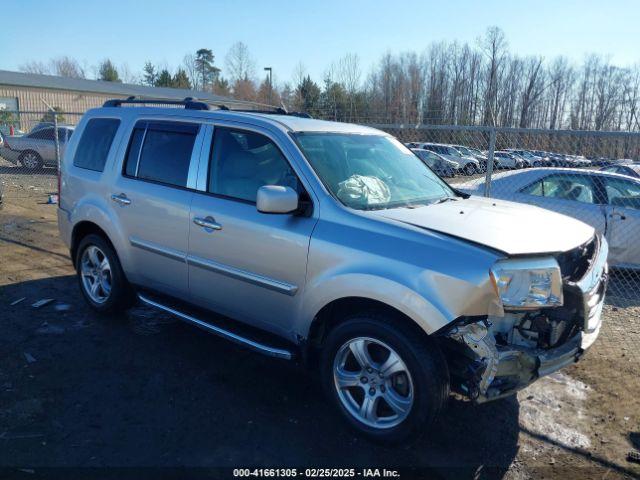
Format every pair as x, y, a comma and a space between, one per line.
469, 169
102, 281
395, 388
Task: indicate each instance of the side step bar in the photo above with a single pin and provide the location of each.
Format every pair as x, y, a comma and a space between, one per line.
253, 345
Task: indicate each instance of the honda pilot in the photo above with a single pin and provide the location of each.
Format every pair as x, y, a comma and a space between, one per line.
328, 243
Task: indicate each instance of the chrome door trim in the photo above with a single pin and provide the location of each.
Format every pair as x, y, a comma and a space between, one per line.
259, 347
144, 136
194, 162
203, 161
249, 277
158, 249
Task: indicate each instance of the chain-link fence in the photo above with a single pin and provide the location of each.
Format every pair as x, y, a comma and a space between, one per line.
576, 173
590, 176
31, 145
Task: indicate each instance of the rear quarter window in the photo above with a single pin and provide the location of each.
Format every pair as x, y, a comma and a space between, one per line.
95, 143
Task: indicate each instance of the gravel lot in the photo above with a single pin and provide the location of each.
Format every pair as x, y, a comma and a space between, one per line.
78, 390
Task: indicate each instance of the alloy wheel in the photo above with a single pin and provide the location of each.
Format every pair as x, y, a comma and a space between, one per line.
30, 160
373, 382
96, 274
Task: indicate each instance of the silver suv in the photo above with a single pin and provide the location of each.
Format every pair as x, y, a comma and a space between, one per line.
330, 243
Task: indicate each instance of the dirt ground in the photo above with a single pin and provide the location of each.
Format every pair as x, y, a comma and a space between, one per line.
81, 391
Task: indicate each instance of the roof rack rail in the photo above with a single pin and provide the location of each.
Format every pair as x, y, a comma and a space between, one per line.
189, 103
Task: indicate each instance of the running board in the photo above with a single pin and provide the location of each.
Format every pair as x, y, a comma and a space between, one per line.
253, 345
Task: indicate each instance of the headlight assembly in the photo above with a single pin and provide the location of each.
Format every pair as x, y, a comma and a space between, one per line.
527, 283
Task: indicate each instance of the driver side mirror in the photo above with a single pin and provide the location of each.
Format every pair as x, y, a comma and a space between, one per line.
277, 199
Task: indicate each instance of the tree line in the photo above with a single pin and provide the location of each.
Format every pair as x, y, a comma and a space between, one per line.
480, 83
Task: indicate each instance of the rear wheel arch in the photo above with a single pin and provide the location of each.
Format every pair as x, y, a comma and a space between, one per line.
80, 231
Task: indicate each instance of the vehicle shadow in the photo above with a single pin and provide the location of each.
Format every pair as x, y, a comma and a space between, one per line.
144, 389
20, 170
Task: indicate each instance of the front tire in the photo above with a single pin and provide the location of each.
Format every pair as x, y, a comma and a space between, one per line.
31, 160
387, 381
469, 169
102, 281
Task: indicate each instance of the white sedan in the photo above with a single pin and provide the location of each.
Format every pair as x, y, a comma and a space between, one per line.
607, 201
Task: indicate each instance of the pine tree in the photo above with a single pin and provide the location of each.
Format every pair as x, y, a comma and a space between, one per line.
107, 72
181, 80
164, 79
150, 76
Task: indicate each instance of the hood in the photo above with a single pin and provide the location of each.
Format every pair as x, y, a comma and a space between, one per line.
509, 227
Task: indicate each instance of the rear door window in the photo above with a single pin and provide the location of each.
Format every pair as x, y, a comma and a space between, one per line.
95, 143
622, 193
578, 188
161, 152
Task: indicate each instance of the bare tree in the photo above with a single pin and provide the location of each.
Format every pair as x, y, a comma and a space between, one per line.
126, 74
494, 46
190, 66
240, 64
533, 89
36, 67
67, 67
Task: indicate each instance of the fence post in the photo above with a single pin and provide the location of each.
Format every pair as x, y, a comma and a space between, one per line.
57, 140
489, 173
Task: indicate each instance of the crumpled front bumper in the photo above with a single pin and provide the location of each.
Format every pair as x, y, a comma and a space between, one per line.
502, 370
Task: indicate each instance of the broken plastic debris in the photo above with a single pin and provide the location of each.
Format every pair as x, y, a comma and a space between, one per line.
42, 303
15, 302
634, 456
29, 358
52, 200
62, 307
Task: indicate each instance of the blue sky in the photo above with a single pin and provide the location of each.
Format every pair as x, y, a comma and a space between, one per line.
282, 33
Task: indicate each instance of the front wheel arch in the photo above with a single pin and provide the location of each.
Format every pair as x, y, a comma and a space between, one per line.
337, 311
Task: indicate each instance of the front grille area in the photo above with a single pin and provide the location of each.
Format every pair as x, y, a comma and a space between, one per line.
575, 263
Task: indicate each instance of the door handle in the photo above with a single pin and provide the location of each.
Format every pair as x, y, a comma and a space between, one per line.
208, 223
121, 198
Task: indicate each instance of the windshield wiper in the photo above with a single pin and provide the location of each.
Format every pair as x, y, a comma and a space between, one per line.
445, 199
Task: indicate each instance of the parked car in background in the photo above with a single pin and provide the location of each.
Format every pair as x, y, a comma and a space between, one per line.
506, 159
473, 153
466, 165
544, 158
579, 160
36, 149
331, 243
521, 160
437, 163
609, 202
529, 158
629, 169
